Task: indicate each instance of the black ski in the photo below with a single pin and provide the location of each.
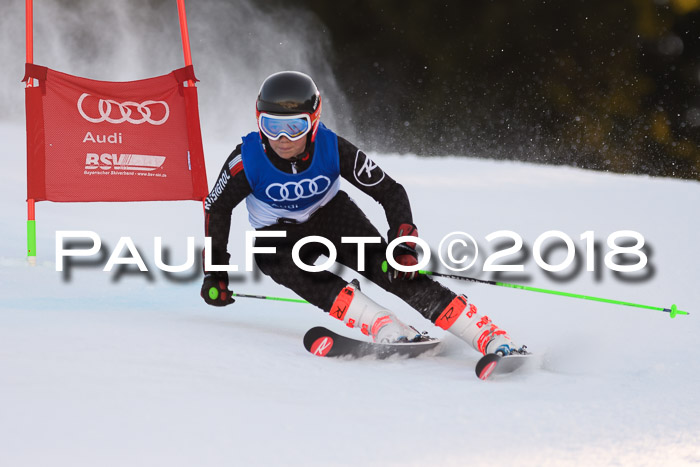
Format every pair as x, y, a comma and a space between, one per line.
492, 364
326, 343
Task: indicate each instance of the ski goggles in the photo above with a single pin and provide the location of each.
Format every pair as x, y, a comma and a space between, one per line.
293, 127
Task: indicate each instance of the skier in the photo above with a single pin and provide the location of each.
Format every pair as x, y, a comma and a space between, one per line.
289, 174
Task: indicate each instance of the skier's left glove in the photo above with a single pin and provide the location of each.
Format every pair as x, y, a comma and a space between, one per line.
215, 289
405, 253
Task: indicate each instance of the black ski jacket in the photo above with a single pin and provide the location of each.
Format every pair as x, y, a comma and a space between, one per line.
232, 187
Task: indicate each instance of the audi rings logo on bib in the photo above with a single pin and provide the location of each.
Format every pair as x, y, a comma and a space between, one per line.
294, 191
108, 110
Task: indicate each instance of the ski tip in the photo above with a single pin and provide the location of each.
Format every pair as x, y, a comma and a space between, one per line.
313, 334
486, 371
319, 341
321, 346
486, 365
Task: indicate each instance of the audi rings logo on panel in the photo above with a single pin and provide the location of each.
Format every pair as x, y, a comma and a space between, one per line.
108, 110
293, 191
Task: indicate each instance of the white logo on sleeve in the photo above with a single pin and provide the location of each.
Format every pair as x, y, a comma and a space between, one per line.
366, 172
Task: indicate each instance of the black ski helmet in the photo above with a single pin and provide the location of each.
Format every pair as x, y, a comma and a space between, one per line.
290, 93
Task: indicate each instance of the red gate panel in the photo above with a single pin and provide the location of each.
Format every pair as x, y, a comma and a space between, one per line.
93, 140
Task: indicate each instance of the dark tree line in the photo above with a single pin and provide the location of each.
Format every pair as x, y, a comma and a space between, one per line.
607, 85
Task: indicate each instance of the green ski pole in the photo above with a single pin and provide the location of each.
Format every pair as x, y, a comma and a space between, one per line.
265, 297
673, 311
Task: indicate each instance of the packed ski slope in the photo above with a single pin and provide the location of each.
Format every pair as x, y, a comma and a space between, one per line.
134, 369
125, 368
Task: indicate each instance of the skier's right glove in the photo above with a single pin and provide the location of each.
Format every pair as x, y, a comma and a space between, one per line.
405, 253
215, 289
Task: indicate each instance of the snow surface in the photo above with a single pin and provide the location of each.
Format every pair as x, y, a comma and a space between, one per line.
108, 369
113, 370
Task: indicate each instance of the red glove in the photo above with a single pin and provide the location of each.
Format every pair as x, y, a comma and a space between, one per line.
405, 253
